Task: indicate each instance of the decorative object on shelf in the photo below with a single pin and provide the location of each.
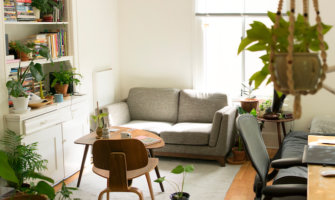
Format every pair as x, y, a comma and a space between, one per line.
295, 39
58, 98
47, 8
99, 122
179, 194
250, 102
63, 78
15, 85
21, 163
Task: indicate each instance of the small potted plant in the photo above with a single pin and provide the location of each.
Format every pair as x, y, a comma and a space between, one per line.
250, 102
63, 78
179, 194
45, 7
15, 86
98, 120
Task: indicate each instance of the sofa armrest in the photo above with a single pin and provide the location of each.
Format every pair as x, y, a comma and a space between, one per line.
118, 113
224, 122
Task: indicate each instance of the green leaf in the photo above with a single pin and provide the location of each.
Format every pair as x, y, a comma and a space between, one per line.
6, 171
160, 180
241, 111
257, 47
178, 170
259, 32
37, 72
259, 76
279, 94
35, 175
253, 112
189, 168
244, 43
44, 188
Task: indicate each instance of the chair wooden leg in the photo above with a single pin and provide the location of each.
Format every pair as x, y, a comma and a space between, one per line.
137, 191
147, 175
102, 193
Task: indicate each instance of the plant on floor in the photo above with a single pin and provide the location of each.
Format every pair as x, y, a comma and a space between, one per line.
179, 194
21, 163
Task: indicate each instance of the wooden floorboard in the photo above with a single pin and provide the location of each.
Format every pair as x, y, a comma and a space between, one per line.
67, 181
242, 185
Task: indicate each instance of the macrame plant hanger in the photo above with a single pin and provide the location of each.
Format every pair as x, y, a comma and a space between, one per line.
289, 58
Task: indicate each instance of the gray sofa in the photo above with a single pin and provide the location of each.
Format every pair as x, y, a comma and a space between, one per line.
193, 124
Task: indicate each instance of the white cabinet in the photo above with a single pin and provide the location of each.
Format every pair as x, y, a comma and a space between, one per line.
49, 146
55, 128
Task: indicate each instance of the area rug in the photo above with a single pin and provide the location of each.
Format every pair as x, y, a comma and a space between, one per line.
208, 181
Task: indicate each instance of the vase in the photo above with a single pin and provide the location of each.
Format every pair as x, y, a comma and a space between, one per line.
249, 104
62, 89
20, 103
98, 131
185, 196
306, 69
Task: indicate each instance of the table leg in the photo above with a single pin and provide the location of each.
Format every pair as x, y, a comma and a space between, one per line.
157, 171
284, 129
82, 164
279, 133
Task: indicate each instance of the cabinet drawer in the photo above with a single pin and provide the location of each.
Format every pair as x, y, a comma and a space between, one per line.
43, 121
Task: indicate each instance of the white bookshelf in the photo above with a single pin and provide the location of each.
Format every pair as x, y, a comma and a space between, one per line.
36, 23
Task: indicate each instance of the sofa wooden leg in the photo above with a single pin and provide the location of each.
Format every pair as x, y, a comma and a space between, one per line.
222, 161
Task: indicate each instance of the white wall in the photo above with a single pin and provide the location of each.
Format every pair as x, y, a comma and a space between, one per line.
323, 102
97, 31
155, 43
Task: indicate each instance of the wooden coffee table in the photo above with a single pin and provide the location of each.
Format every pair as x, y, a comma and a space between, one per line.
89, 139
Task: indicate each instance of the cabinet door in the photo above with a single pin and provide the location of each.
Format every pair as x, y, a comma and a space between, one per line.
72, 130
49, 146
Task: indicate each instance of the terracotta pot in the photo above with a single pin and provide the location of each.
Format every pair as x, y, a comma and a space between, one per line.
238, 155
22, 196
306, 68
249, 104
98, 131
22, 56
186, 196
48, 18
62, 89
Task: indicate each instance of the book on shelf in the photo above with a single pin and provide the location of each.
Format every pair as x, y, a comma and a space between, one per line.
9, 11
147, 140
24, 10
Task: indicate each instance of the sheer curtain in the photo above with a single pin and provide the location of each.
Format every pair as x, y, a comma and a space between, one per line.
223, 25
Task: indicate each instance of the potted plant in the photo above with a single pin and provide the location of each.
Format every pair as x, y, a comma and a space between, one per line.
63, 78
250, 102
20, 164
305, 40
179, 194
15, 86
99, 122
45, 7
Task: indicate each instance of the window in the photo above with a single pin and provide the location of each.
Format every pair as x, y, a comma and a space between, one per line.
224, 24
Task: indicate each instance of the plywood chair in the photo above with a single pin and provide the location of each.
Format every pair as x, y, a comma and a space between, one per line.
120, 161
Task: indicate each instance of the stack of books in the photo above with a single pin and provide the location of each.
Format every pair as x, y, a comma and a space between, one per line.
9, 11
24, 11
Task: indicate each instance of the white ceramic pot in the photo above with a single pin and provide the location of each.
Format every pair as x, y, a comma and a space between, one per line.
37, 13
20, 103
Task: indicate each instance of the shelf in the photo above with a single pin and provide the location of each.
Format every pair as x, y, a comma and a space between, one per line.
41, 61
36, 23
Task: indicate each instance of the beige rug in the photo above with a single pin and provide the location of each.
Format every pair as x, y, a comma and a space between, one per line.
209, 181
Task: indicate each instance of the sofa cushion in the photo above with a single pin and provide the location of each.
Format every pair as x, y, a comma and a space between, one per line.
187, 133
153, 104
195, 106
152, 126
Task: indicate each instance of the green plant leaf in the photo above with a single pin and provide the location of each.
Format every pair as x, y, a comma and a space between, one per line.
160, 180
253, 112
244, 43
259, 32
44, 188
257, 47
35, 175
189, 168
6, 171
178, 170
37, 72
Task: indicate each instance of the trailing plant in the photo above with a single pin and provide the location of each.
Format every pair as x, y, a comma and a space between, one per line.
65, 76
178, 170
14, 86
259, 38
98, 119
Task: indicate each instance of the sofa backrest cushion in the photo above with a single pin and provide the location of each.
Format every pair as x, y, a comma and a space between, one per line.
154, 104
195, 106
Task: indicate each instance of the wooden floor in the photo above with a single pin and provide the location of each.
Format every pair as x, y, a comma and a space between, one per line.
242, 186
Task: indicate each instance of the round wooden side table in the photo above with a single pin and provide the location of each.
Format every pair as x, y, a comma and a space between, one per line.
278, 122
